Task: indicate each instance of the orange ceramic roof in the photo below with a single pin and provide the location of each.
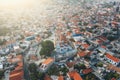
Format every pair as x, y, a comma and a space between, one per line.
103, 47
77, 31
85, 46
89, 53
47, 61
19, 56
38, 38
33, 57
113, 79
15, 71
61, 77
63, 37
82, 54
15, 59
47, 77
70, 64
20, 63
18, 68
114, 22
68, 33
75, 75
112, 58
86, 71
16, 76
112, 67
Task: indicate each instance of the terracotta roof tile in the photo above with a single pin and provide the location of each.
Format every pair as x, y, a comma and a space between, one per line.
112, 67
70, 64
113, 79
112, 58
74, 75
47, 77
82, 54
60, 77
114, 22
86, 71
85, 46
16, 76
47, 61
33, 57
104, 47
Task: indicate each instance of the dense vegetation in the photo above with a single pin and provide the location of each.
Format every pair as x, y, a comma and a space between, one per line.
34, 73
47, 48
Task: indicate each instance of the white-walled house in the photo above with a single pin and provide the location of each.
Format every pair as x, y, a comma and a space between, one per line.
46, 64
1, 66
111, 59
64, 50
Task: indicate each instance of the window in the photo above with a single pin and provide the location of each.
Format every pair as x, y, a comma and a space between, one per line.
45, 67
42, 66
115, 63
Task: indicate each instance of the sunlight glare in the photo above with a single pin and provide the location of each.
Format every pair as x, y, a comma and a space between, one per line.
14, 3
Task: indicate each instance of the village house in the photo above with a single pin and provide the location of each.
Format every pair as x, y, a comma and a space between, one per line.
111, 59
46, 64
74, 75
64, 50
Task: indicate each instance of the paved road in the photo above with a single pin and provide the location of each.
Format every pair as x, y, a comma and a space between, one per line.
25, 65
7, 75
25, 54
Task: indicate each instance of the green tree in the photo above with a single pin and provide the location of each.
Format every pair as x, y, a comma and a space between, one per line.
111, 75
32, 68
40, 75
34, 73
47, 48
100, 64
2, 42
1, 74
33, 77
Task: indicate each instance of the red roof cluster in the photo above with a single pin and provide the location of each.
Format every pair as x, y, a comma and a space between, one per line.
74, 75
82, 54
60, 77
112, 58
47, 77
99, 41
70, 64
113, 79
86, 71
104, 47
85, 46
17, 73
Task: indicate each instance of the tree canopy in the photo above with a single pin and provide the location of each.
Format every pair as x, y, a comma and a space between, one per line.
1, 74
32, 67
47, 48
34, 73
